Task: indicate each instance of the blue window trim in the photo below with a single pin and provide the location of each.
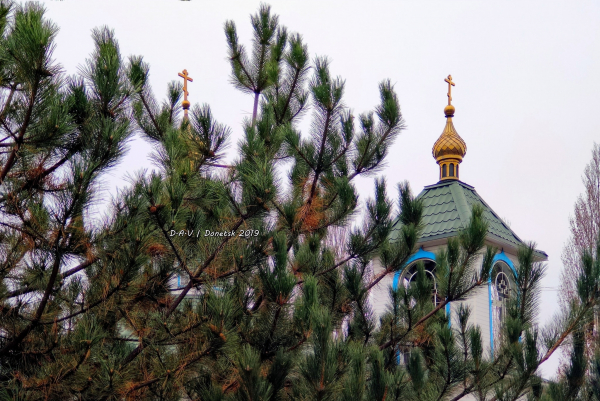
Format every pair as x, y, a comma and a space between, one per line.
491, 318
420, 254
501, 257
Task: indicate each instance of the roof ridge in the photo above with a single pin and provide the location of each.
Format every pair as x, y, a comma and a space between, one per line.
461, 204
453, 197
442, 183
498, 217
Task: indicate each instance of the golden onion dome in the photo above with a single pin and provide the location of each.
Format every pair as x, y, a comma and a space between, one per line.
449, 144
450, 148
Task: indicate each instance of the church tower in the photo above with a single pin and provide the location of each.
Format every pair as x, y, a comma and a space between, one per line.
447, 208
449, 149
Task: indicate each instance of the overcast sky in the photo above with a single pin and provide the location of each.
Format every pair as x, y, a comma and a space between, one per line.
527, 92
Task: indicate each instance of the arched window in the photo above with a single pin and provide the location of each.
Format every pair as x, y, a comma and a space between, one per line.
443, 171
451, 169
502, 288
410, 274
406, 277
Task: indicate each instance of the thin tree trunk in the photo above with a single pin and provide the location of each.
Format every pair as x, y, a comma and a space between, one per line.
255, 110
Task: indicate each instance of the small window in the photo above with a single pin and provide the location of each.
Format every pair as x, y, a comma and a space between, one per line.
403, 355
444, 171
457, 171
502, 285
410, 275
451, 170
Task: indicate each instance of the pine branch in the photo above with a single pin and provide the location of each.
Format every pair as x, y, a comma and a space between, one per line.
384, 273
150, 114
24, 232
589, 306
319, 166
119, 104
29, 183
173, 247
8, 102
38, 314
52, 380
273, 327
430, 314
180, 368
173, 306
68, 273
199, 271
243, 67
10, 132
299, 152
85, 309
58, 247
19, 140
359, 169
219, 165
332, 268
291, 93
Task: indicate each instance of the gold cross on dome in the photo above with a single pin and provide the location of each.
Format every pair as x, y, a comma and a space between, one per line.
186, 78
450, 85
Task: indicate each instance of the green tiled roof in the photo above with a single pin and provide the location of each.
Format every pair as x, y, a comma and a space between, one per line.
447, 209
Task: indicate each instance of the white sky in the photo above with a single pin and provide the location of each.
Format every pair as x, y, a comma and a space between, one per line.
527, 91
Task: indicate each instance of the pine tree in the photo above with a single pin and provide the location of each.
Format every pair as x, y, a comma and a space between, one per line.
579, 375
58, 135
580, 379
217, 281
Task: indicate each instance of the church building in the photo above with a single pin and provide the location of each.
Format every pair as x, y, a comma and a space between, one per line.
446, 210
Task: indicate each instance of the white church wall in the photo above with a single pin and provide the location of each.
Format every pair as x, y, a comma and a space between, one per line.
379, 297
478, 300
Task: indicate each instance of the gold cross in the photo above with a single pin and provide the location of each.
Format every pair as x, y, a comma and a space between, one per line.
450, 85
186, 78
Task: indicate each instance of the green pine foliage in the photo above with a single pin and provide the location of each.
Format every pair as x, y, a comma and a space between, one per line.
581, 379
59, 135
144, 305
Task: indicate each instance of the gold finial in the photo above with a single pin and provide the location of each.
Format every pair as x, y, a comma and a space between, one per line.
185, 104
450, 148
